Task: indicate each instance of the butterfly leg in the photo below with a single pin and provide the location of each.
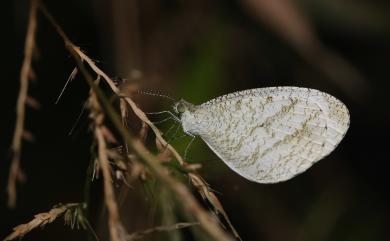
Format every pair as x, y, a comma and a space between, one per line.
165, 112
162, 121
174, 136
189, 144
171, 128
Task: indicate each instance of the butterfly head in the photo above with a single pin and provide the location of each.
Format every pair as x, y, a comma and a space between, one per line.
182, 106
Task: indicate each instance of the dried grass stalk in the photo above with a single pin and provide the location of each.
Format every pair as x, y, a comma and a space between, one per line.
201, 186
189, 202
25, 73
40, 220
117, 231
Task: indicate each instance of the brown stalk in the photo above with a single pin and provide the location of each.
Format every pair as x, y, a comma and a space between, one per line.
40, 220
189, 202
116, 229
199, 184
15, 173
208, 223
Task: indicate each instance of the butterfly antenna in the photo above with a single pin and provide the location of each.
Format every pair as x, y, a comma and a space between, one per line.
157, 93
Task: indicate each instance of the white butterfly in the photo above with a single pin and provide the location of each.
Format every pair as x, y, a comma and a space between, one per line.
271, 134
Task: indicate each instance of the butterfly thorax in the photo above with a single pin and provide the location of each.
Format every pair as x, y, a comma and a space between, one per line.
186, 112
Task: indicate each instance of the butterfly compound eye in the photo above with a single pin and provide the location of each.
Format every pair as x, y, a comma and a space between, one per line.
181, 107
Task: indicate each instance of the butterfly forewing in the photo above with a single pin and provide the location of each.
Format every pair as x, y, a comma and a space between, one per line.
270, 134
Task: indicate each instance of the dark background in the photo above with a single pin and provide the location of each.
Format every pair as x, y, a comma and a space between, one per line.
199, 50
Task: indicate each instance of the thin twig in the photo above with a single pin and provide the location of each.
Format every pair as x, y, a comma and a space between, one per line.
15, 172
